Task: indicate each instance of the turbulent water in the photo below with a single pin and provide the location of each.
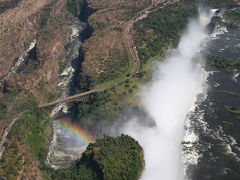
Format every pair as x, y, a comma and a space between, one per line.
22, 61
195, 137
64, 147
168, 98
213, 151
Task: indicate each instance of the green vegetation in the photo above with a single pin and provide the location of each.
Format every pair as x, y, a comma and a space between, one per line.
50, 97
46, 14
34, 127
132, 10
220, 62
5, 5
233, 109
10, 164
228, 123
10, 105
31, 130
101, 108
105, 107
3, 108
233, 18
216, 20
230, 92
161, 29
116, 69
119, 158
75, 6
108, 158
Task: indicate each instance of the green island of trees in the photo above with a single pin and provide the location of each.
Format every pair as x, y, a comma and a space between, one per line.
115, 158
109, 158
233, 18
216, 20
233, 109
220, 62
230, 92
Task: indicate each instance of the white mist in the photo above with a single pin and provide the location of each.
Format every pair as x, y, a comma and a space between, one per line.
168, 98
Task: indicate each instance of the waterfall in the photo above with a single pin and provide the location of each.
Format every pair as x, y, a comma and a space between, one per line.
168, 98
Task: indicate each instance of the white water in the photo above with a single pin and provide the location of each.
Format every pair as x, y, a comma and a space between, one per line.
20, 61
64, 148
22, 58
168, 98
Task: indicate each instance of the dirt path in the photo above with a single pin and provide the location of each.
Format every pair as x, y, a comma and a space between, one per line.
4, 136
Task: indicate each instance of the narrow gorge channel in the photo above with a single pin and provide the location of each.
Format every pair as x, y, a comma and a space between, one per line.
61, 151
21, 62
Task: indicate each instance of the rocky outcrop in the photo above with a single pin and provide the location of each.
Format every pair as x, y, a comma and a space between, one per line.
22, 61
60, 155
19, 27
49, 41
66, 79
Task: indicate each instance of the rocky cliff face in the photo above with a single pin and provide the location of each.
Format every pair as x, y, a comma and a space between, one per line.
39, 57
19, 27
106, 57
44, 28
39, 49
67, 75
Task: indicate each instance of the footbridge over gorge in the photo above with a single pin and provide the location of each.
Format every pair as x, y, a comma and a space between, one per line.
81, 96
76, 97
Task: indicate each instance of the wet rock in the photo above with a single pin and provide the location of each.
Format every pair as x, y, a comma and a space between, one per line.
61, 154
66, 78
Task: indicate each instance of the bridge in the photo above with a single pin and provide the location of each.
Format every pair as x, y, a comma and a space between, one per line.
81, 96
70, 98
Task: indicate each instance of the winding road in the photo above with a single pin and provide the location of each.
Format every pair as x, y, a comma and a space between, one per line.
4, 136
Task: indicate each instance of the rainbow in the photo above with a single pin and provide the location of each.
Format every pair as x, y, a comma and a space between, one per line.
78, 131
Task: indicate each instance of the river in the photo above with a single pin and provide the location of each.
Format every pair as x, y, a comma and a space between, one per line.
214, 152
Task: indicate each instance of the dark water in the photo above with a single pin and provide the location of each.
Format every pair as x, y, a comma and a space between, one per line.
218, 131
227, 45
